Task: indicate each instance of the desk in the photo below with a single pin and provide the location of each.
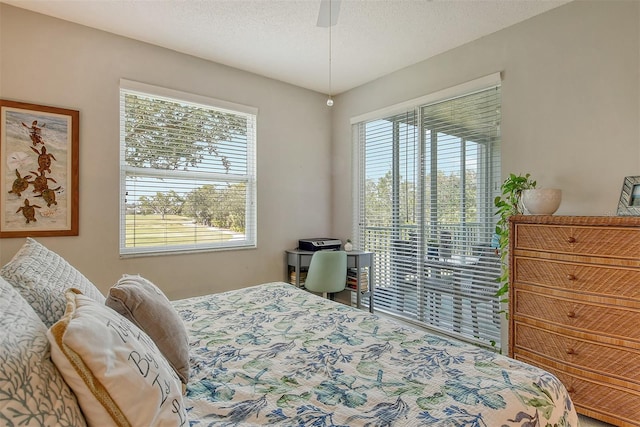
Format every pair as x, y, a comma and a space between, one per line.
298, 259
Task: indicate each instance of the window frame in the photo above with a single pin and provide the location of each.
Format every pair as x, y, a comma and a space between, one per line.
249, 178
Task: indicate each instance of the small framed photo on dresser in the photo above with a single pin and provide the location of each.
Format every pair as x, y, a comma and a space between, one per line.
629, 204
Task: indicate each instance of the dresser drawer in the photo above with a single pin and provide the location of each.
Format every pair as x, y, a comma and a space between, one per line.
613, 361
601, 319
615, 282
608, 403
598, 241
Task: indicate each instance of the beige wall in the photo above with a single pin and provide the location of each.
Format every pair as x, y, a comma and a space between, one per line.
52, 62
570, 102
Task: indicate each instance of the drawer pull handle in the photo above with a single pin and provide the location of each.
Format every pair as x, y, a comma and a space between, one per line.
571, 390
571, 351
571, 240
571, 277
571, 314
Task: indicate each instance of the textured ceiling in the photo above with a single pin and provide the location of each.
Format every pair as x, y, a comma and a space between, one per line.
281, 39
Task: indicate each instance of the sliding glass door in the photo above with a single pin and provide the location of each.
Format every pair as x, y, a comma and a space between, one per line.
427, 178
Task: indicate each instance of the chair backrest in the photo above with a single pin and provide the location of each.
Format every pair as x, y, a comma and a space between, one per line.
487, 256
327, 272
405, 253
445, 245
486, 269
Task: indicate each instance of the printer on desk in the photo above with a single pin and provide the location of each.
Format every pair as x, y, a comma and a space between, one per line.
319, 244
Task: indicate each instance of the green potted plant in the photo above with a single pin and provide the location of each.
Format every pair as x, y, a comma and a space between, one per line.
508, 204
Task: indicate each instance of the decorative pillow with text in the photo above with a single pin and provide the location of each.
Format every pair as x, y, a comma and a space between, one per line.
116, 371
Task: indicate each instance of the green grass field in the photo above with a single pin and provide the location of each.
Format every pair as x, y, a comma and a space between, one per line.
152, 230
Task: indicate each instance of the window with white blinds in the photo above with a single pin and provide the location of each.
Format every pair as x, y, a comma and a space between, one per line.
187, 172
426, 181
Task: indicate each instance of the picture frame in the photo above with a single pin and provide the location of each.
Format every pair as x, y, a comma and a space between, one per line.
38, 170
629, 204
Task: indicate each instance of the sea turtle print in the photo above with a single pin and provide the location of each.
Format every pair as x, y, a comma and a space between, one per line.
20, 184
44, 159
35, 132
41, 182
49, 196
29, 211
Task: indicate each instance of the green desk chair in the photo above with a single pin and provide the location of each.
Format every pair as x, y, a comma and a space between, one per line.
327, 272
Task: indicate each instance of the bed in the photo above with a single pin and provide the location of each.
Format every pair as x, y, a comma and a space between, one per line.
293, 358
271, 354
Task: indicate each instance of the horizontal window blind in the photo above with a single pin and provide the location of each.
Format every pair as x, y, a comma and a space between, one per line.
426, 182
187, 173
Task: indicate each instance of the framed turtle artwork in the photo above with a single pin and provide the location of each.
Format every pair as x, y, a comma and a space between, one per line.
38, 170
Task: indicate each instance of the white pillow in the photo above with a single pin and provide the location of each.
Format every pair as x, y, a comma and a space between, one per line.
116, 371
32, 391
42, 276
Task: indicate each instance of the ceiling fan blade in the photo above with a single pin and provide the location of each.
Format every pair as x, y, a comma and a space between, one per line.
323, 14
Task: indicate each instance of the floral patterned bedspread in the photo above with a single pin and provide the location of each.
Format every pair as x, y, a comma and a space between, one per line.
276, 355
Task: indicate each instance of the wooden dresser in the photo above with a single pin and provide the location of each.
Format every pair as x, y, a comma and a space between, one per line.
575, 308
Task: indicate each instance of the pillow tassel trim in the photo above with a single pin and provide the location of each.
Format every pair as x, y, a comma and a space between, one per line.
81, 369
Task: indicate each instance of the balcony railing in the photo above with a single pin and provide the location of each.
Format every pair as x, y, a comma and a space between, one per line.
447, 284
